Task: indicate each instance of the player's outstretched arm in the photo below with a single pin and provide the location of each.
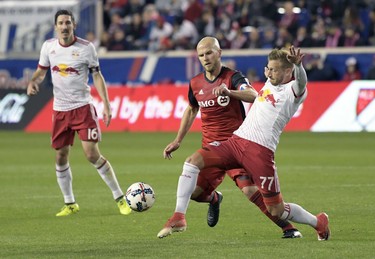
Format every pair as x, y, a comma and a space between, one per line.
36, 79
295, 57
187, 120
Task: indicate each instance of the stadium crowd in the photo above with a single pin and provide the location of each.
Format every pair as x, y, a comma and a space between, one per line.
238, 24
161, 25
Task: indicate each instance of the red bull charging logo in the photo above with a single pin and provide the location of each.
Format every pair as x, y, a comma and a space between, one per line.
267, 96
64, 70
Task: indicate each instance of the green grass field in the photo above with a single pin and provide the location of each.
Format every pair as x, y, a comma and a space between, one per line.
332, 172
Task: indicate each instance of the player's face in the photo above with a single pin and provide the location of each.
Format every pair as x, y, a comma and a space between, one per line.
65, 28
209, 58
276, 73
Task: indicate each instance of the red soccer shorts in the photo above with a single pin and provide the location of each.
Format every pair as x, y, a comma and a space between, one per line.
210, 178
257, 160
82, 120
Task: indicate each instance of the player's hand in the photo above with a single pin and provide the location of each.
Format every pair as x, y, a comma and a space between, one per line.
221, 90
169, 149
32, 88
295, 56
107, 116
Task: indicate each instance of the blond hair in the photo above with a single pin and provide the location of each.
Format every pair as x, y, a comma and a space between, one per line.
280, 55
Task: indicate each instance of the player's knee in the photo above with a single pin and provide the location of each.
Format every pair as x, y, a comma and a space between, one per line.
191, 160
62, 156
249, 191
92, 157
196, 193
195, 159
275, 211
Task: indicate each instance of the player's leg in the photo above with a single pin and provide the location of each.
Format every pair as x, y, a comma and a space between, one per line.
263, 171
186, 184
208, 181
62, 138
64, 180
185, 187
86, 124
295, 213
106, 172
250, 190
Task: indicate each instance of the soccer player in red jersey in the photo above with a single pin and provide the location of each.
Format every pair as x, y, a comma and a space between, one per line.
218, 93
253, 144
71, 59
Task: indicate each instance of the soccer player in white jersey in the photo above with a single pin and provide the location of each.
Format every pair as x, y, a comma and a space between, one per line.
253, 145
70, 60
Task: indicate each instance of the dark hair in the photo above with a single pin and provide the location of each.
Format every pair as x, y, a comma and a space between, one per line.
64, 12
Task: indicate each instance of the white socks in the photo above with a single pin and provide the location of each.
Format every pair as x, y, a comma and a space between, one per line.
105, 170
296, 213
186, 186
64, 179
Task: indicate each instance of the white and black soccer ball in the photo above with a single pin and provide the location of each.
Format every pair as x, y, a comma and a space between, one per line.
140, 196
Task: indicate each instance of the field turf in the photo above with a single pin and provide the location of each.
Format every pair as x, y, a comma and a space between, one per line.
331, 172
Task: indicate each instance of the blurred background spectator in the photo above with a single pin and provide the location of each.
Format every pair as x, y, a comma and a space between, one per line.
371, 72
90, 36
317, 69
253, 77
371, 27
118, 41
352, 70
230, 63
302, 39
185, 34
160, 34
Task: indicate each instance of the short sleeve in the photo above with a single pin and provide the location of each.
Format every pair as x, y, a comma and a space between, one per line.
43, 58
93, 60
239, 81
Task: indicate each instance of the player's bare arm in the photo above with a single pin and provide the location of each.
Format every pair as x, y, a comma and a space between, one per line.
246, 94
186, 121
36, 79
103, 93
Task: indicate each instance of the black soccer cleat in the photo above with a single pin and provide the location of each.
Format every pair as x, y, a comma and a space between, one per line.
292, 233
214, 211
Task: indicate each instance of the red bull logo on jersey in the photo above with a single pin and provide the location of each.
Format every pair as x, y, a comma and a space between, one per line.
64, 70
267, 96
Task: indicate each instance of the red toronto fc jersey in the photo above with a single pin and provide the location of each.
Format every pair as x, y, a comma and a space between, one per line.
220, 115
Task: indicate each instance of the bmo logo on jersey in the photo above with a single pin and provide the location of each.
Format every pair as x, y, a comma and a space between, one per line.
221, 100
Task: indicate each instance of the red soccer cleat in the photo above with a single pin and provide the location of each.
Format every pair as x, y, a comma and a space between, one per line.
322, 227
176, 223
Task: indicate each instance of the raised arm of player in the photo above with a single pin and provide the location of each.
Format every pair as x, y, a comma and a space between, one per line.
36, 79
103, 93
187, 120
295, 57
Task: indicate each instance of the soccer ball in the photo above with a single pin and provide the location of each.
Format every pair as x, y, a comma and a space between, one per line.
140, 196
